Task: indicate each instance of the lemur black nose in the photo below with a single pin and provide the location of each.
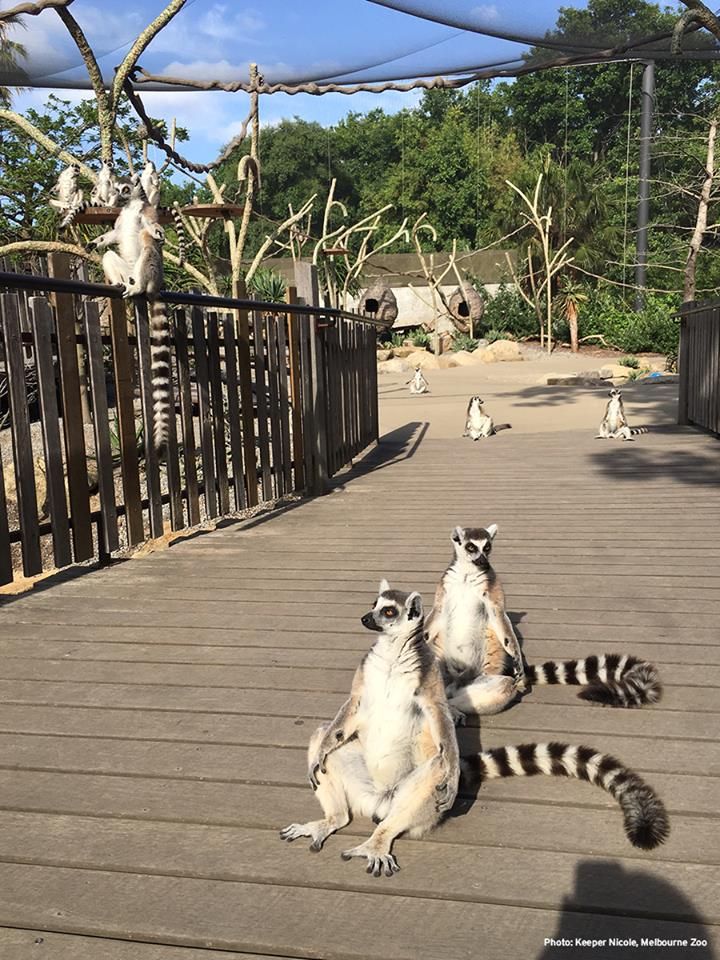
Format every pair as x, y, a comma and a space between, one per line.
367, 620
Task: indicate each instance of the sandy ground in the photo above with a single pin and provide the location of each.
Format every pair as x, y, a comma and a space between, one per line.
513, 395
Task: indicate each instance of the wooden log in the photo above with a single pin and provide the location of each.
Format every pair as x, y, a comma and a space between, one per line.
103, 453
21, 437
72, 413
42, 323
186, 419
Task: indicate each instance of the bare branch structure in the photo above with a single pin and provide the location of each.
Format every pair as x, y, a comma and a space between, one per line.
702, 214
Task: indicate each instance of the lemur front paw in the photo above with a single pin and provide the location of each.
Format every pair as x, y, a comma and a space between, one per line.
457, 716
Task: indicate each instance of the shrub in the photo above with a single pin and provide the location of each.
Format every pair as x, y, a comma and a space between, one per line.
267, 285
419, 337
508, 311
463, 341
632, 362
652, 329
492, 335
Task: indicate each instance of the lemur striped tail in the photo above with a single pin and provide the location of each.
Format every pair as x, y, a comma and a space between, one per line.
502, 426
646, 820
619, 681
636, 431
73, 212
160, 364
180, 231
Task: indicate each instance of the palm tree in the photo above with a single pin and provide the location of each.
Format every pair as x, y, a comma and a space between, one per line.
10, 50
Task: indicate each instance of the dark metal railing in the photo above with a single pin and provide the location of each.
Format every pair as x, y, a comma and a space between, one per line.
699, 365
271, 399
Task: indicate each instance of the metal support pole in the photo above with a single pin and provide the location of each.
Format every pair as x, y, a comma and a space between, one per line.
647, 103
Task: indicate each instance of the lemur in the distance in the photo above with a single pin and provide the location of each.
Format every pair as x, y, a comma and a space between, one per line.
479, 424
418, 383
614, 424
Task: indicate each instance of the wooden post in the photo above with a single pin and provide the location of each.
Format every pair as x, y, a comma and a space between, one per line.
306, 281
683, 366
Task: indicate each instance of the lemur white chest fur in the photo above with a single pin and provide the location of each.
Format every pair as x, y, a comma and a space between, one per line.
615, 414
388, 719
150, 180
464, 619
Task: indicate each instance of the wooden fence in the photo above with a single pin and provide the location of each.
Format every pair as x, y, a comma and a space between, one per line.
270, 400
699, 365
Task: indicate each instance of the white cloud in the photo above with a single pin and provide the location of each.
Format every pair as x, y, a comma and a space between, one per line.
485, 13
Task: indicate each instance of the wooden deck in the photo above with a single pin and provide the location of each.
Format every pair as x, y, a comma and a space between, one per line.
154, 718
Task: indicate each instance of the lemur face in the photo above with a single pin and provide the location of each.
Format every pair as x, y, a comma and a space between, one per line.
473, 545
615, 394
395, 613
475, 403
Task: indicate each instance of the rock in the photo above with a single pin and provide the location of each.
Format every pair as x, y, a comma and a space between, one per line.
396, 365
501, 351
447, 361
463, 359
424, 360
384, 355
612, 371
404, 351
575, 381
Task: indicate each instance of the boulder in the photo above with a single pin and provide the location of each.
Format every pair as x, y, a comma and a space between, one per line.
463, 359
447, 361
424, 360
613, 371
501, 351
404, 351
396, 365
384, 355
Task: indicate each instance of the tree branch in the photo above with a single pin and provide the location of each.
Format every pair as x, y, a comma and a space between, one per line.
32, 9
45, 142
49, 246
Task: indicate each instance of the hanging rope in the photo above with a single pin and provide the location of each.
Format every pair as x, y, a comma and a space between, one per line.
627, 173
477, 157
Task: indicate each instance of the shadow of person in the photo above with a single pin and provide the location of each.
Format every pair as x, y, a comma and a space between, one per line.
638, 906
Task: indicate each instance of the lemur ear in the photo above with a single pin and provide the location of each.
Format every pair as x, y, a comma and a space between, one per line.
457, 535
383, 588
492, 530
414, 606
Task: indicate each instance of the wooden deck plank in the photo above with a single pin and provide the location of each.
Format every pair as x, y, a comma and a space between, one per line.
211, 853
328, 923
154, 716
21, 944
536, 825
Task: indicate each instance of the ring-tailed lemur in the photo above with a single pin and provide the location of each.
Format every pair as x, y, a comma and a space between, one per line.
150, 179
470, 631
391, 752
418, 383
69, 195
483, 671
614, 424
479, 424
137, 266
108, 191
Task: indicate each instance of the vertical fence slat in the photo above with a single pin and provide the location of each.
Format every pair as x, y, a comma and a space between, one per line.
284, 401
274, 394
42, 322
262, 406
247, 406
298, 446
186, 419
21, 437
218, 413
72, 416
177, 518
308, 428
203, 390
125, 417
152, 466
101, 429
233, 395
6, 567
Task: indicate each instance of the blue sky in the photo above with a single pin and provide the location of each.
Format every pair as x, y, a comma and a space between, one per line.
290, 39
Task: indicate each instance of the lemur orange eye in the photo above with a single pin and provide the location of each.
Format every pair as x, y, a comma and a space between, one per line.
389, 612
